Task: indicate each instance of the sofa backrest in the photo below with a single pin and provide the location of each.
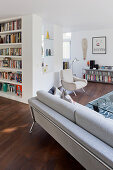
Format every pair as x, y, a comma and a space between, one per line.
61, 106
95, 123
91, 121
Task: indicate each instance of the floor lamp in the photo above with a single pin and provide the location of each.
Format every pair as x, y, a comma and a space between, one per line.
75, 60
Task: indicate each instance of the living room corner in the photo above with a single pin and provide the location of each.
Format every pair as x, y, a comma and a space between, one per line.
56, 85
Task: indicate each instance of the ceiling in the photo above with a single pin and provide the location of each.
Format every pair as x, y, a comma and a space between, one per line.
71, 14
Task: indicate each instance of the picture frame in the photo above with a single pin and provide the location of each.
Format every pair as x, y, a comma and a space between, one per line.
99, 45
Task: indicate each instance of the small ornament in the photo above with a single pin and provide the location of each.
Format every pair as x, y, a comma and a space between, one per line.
88, 63
47, 36
47, 52
84, 47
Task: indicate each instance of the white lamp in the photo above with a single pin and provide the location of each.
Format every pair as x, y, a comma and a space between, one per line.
75, 60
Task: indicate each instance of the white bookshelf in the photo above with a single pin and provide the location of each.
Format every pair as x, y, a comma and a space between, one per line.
10, 82
10, 69
11, 56
8, 94
11, 96
10, 32
11, 44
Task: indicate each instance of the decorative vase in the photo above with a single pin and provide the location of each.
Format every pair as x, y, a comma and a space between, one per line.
47, 36
47, 52
5, 87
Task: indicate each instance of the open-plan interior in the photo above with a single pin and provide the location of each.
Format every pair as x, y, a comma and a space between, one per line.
56, 85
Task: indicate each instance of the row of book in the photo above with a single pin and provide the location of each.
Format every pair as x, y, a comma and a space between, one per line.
99, 78
17, 64
65, 65
11, 38
10, 26
101, 73
12, 88
11, 51
11, 76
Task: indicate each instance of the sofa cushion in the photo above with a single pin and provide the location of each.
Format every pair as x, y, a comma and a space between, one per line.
63, 107
52, 90
95, 123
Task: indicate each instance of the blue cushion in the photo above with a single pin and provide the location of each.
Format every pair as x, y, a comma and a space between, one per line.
52, 90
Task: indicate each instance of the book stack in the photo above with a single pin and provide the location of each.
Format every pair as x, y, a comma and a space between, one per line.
15, 64
11, 76
65, 65
11, 51
10, 63
11, 38
9, 26
3, 75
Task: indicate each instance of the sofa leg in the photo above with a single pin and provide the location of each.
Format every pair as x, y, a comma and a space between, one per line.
31, 128
33, 117
74, 93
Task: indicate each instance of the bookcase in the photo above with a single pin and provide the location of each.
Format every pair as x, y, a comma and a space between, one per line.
11, 58
100, 75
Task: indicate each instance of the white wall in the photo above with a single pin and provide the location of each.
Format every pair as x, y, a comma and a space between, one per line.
36, 52
31, 55
27, 85
76, 49
52, 78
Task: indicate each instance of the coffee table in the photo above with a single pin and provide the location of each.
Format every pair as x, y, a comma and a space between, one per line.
103, 105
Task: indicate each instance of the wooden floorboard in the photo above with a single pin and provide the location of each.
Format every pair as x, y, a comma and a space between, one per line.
20, 150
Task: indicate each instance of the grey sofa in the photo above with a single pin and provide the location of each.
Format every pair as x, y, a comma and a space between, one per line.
84, 133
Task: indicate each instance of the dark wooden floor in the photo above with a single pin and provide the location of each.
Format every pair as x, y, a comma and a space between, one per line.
20, 150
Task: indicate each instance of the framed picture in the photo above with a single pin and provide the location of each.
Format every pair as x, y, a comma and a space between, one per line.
99, 45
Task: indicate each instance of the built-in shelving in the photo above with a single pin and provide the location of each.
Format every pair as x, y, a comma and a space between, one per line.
47, 48
11, 38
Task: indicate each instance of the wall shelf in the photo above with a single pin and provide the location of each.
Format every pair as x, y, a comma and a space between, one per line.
10, 95
10, 44
51, 39
47, 56
10, 69
10, 32
9, 81
7, 56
